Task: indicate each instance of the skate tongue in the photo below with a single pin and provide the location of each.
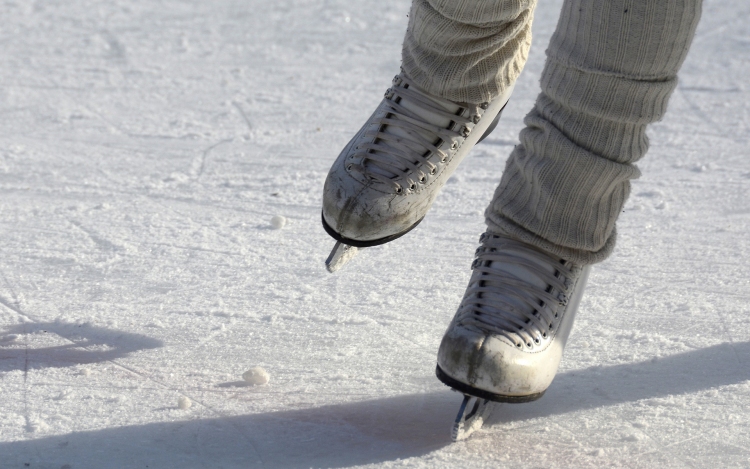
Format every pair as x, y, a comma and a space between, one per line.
420, 111
523, 271
524, 274
516, 282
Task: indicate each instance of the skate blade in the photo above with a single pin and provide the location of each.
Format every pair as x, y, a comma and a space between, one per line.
471, 416
340, 256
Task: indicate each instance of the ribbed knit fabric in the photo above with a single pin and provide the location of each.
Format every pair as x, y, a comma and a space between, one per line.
611, 67
467, 50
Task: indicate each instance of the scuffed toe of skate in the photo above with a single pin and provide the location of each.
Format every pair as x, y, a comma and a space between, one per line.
361, 214
486, 363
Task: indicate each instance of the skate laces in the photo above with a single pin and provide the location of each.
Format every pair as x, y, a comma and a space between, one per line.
405, 148
506, 296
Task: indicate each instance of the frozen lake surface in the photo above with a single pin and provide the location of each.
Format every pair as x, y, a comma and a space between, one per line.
145, 149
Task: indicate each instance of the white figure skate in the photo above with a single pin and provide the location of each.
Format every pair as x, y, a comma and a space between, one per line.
387, 177
506, 340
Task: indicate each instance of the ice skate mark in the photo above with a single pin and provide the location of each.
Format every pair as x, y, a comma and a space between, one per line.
30, 321
110, 125
242, 113
197, 249
102, 243
198, 164
707, 89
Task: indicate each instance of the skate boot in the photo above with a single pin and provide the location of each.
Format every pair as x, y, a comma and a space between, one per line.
387, 177
507, 338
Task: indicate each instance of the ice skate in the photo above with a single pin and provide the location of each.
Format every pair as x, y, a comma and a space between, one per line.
387, 177
507, 338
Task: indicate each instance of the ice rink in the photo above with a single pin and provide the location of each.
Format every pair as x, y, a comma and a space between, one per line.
145, 147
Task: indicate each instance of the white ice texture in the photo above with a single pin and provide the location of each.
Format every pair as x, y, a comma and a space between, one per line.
145, 148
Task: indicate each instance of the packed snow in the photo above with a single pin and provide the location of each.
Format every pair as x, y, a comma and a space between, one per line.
145, 149
256, 376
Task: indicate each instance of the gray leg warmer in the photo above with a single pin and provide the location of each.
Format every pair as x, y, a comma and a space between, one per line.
611, 67
467, 50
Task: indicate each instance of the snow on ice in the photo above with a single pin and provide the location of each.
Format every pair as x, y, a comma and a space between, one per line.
256, 376
278, 222
145, 148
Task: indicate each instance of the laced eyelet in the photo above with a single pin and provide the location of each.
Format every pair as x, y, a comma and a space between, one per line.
397, 80
476, 118
484, 105
465, 132
388, 93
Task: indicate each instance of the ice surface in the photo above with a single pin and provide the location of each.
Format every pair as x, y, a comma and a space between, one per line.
144, 147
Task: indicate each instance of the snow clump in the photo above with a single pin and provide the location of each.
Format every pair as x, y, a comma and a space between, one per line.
256, 376
278, 222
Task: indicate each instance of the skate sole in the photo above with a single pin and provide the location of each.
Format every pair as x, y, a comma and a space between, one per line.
481, 393
364, 244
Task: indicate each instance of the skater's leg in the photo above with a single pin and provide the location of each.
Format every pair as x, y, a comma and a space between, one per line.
460, 61
611, 67
467, 50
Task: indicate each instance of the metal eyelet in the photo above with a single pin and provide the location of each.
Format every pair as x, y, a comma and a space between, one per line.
465, 132
476, 118
433, 171
422, 180
388, 93
454, 145
399, 190
519, 345
484, 105
349, 168
412, 186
